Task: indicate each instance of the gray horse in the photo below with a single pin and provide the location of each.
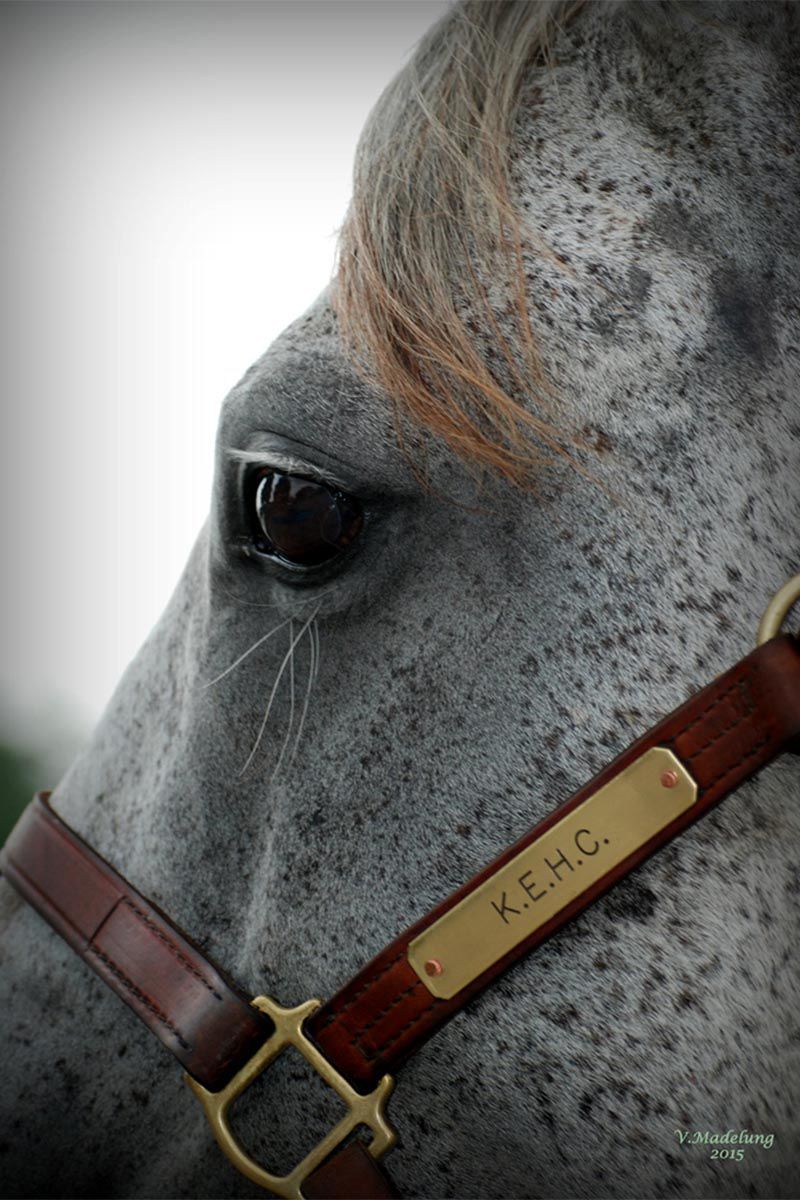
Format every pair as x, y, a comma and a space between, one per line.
547, 524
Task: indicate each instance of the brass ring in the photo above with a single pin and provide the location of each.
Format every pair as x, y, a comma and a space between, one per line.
778, 610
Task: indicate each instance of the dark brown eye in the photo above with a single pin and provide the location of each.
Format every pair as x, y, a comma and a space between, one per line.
302, 521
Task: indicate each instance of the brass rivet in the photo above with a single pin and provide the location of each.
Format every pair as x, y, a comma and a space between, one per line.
669, 779
433, 967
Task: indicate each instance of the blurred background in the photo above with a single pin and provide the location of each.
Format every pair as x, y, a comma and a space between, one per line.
174, 175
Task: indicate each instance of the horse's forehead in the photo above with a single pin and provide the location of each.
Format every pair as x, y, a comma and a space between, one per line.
305, 389
656, 167
302, 376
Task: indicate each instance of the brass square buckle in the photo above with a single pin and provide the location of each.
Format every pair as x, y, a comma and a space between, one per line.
362, 1110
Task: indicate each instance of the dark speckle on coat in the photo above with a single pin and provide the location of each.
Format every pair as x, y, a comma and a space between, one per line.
743, 305
675, 226
631, 900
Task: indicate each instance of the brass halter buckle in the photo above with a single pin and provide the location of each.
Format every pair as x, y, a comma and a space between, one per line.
362, 1110
778, 610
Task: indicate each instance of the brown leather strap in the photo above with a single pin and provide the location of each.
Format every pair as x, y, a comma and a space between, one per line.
350, 1174
724, 734
188, 1003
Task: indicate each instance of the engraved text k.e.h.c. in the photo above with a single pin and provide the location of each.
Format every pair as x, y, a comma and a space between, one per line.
585, 845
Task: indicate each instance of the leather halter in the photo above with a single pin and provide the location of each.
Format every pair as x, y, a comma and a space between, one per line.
662, 783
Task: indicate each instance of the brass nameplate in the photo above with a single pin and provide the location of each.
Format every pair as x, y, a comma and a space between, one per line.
552, 871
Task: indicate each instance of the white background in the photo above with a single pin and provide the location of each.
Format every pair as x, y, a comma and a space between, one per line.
173, 178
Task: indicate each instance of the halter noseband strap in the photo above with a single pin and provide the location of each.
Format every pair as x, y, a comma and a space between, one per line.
657, 787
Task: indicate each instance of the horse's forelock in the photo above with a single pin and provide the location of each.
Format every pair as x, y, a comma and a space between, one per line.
431, 223
430, 288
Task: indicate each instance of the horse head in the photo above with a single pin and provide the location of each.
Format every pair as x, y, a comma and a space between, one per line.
519, 482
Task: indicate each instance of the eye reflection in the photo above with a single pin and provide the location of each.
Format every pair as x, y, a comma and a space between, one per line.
303, 521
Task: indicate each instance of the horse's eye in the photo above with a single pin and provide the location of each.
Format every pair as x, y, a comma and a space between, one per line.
301, 521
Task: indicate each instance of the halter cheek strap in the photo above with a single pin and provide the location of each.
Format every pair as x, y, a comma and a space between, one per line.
204, 1019
662, 783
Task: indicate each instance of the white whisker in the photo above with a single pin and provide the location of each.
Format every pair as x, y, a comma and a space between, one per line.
291, 707
312, 660
315, 631
242, 657
278, 678
243, 603
300, 601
